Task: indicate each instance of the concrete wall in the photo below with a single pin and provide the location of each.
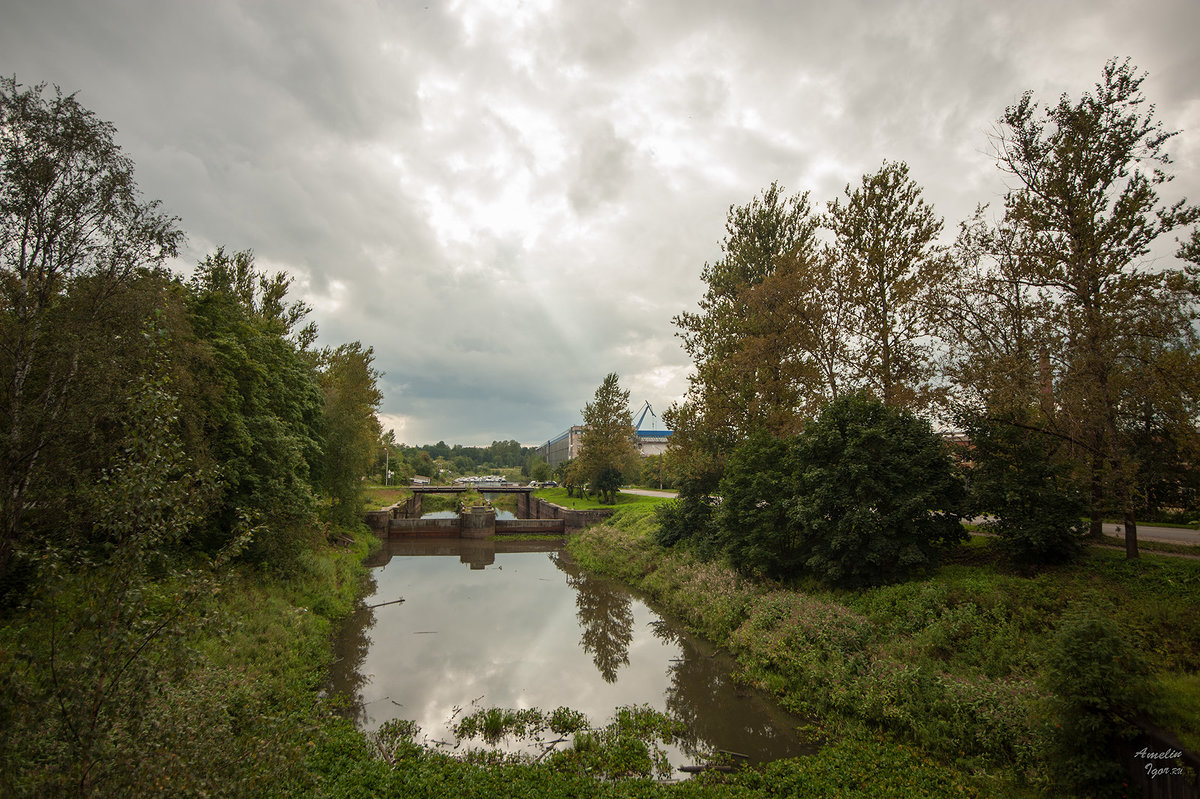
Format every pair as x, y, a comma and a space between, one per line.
443, 527
530, 526
572, 519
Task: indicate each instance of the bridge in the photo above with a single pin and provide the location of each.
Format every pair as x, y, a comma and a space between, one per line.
535, 516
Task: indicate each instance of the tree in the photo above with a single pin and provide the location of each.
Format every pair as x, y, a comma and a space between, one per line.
892, 269
1085, 212
875, 496
1021, 478
738, 388
350, 430
751, 521
70, 212
263, 404
607, 450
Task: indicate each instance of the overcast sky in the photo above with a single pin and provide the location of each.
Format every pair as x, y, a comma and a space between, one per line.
508, 200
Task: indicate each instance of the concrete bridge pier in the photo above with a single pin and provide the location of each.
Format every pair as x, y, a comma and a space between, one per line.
478, 521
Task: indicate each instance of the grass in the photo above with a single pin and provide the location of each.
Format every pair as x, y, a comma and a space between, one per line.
379, 497
208, 692
559, 497
952, 665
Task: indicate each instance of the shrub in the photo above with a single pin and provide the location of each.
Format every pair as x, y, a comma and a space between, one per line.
874, 495
1017, 478
688, 518
1098, 683
751, 522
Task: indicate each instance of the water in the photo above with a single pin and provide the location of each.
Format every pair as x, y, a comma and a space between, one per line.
515, 624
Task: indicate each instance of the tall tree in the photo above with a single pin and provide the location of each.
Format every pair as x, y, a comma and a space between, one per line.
350, 431
607, 450
892, 269
1086, 211
737, 388
262, 404
70, 211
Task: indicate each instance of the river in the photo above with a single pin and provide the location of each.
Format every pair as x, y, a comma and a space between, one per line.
516, 624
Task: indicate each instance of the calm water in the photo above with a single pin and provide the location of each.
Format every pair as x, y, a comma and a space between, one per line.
516, 624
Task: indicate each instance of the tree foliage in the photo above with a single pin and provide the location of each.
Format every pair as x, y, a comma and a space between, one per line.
741, 382
892, 270
263, 405
154, 430
876, 494
349, 428
607, 452
1023, 480
1081, 327
73, 233
866, 494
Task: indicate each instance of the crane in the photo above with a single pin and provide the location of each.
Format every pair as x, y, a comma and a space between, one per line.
642, 416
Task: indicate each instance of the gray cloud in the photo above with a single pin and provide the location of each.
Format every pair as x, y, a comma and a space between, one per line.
509, 200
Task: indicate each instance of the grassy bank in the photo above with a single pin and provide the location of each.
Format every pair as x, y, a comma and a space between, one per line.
559, 497
953, 665
197, 683
378, 497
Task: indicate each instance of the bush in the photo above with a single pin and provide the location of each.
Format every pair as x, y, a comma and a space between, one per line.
688, 518
1098, 683
1017, 478
874, 494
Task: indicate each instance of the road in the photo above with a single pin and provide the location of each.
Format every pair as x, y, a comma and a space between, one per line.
1146, 532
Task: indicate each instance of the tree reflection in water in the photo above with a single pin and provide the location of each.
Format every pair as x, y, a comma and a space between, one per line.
701, 683
347, 676
605, 616
719, 713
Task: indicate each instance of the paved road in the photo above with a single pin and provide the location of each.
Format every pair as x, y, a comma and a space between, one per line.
649, 492
1146, 532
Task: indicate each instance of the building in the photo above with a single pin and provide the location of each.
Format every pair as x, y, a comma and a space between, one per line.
559, 450
566, 447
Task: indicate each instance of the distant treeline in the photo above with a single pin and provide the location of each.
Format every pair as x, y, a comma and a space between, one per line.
430, 460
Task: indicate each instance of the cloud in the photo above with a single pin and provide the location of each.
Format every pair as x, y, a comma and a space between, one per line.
510, 200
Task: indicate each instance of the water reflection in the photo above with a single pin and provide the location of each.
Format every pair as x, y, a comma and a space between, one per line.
605, 616
521, 627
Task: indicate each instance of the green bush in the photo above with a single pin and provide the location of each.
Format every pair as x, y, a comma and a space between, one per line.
1036, 501
1098, 683
752, 521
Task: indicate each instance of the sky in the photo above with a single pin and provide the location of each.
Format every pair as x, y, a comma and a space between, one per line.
510, 199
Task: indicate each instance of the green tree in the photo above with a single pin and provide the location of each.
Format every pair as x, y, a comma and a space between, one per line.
350, 430
1085, 212
752, 522
737, 388
71, 221
875, 495
263, 404
1020, 477
607, 451
891, 272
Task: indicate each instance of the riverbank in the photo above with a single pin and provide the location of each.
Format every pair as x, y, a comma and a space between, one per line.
855, 762
955, 665
202, 681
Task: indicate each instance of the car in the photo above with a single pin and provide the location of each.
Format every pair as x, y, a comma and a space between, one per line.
549, 484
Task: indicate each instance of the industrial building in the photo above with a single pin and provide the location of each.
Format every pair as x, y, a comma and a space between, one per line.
651, 439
